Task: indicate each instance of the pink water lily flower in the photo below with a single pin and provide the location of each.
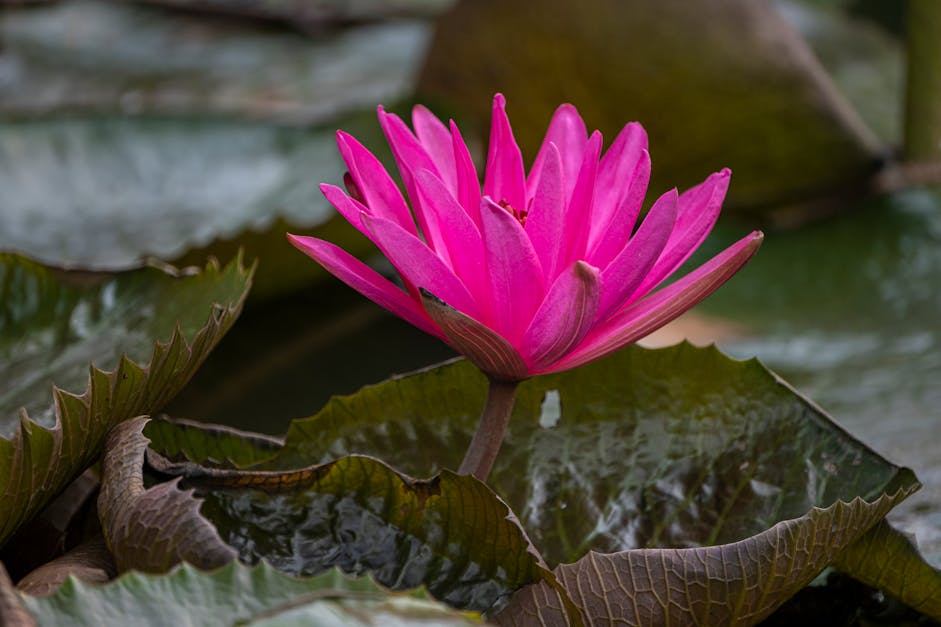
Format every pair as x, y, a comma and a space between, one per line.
537, 272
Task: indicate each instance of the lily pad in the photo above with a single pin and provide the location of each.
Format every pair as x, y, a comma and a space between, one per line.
182, 136
114, 57
153, 327
679, 447
127, 188
450, 533
238, 595
733, 584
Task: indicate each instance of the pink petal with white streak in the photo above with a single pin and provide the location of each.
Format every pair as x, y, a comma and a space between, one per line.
618, 168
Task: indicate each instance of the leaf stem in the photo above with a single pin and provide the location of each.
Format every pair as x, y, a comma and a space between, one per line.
483, 449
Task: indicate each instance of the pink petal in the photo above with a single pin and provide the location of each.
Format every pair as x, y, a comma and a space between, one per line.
619, 193
516, 279
366, 281
619, 166
349, 208
461, 239
468, 183
565, 316
631, 266
651, 313
578, 215
436, 139
480, 344
545, 223
379, 191
567, 131
505, 179
419, 265
411, 157
698, 211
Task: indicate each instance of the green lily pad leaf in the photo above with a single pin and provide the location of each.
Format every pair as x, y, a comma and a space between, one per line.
449, 533
673, 447
680, 447
209, 444
126, 188
54, 325
886, 558
177, 63
732, 584
238, 595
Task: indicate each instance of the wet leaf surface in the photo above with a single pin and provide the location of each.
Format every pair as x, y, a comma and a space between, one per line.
672, 447
637, 451
238, 595
449, 533
150, 327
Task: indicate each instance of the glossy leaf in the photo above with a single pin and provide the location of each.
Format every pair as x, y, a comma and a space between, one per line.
732, 584
679, 447
450, 533
152, 327
674, 447
238, 595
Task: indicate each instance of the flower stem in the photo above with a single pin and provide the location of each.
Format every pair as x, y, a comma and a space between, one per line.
486, 443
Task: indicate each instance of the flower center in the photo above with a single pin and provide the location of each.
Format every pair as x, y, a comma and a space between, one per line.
519, 214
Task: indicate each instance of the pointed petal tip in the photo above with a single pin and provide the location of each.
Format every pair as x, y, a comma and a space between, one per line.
586, 271
499, 100
303, 243
757, 237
